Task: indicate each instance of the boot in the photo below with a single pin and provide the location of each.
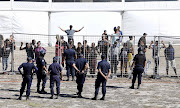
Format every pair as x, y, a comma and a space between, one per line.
103, 97
175, 71
167, 72
38, 91
51, 97
95, 97
79, 95
43, 91
20, 98
132, 87
27, 97
67, 79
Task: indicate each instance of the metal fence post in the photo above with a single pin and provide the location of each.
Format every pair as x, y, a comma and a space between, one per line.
158, 60
12, 54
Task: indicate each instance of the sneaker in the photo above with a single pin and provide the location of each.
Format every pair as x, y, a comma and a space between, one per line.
131, 87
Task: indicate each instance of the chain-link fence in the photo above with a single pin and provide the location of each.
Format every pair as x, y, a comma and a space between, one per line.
161, 52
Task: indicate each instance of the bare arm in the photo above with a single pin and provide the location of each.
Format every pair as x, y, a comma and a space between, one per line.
150, 45
75, 67
109, 73
164, 46
86, 66
79, 30
45, 69
61, 29
144, 63
132, 65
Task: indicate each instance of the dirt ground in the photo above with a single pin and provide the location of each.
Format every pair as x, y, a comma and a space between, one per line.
153, 93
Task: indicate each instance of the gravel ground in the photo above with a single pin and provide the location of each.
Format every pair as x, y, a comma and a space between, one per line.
159, 93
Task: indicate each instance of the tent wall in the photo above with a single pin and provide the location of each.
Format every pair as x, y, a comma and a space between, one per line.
94, 22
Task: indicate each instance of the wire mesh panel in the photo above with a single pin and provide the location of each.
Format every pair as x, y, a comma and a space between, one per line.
6, 48
168, 55
30, 45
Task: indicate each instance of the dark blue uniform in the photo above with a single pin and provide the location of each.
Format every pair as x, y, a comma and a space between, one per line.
27, 76
104, 66
55, 70
80, 64
139, 60
70, 57
41, 75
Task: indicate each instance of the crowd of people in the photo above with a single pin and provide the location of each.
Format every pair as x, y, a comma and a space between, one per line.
78, 59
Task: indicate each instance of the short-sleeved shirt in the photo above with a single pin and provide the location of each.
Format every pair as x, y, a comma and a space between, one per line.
40, 63
156, 49
55, 69
139, 60
169, 53
58, 49
143, 39
70, 33
104, 66
130, 45
80, 63
69, 54
27, 68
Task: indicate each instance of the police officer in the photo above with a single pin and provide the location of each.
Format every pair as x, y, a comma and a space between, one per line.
27, 76
139, 62
70, 56
80, 65
41, 74
104, 72
55, 71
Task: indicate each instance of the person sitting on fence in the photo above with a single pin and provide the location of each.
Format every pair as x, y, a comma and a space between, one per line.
105, 34
38, 49
29, 50
124, 58
1, 45
93, 58
59, 49
155, 55
113, 55
70, 33
169, 56
131, 49
79, 49
5, 55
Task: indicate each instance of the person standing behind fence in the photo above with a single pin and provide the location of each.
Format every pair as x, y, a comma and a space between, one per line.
70, 33
86, 49
29, 50
5, 55
169, 56
55, 71
155, 55
106, 35
131, 49
139, 63
1, 45
104, 71
114, 55
79, 49
42, 70
81, 66
27, 76
93, 58
124, 58
70, 56
38, 49
64, 44
103, 46
120, 36
59, 49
